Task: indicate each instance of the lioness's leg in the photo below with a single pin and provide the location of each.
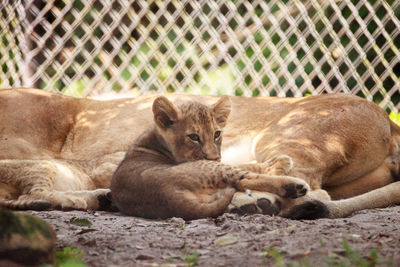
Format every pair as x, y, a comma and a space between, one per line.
381, 176
46, 180
284, 186
373, 190
378, 198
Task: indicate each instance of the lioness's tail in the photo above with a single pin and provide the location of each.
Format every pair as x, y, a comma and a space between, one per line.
190, 206
25, 204
382, 197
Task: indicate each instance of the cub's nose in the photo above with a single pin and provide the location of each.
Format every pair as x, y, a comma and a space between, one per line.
212, 155
211, 152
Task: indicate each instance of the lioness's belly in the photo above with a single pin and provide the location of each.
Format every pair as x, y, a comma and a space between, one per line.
239, 151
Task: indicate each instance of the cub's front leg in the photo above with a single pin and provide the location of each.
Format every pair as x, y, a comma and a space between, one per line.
251, 201
283, 186
247, 201
274, 175
219, 173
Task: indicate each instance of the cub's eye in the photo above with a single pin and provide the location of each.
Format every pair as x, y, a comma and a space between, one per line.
194, 137
217, 134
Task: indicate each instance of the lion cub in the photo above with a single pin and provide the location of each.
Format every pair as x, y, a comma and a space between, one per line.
173, 168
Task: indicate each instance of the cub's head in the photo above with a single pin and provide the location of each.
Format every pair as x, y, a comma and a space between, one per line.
192, 131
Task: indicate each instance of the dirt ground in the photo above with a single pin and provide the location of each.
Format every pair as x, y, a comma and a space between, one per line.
113, 239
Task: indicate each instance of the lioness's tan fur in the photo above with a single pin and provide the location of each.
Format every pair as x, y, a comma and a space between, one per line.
341, 145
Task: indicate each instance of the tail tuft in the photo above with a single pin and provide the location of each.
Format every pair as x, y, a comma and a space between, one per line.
106, 203
309, 210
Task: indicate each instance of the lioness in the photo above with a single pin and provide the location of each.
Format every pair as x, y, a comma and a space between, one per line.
60, 151
172, 170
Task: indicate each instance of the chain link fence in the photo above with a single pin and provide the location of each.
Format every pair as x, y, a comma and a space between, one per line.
267, 47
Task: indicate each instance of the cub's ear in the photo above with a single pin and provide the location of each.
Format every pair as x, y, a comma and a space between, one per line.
165, 113
221, 110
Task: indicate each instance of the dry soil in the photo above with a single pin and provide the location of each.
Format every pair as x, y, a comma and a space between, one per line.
112, 239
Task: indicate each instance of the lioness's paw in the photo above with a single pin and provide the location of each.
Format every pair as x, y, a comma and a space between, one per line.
280, 165
95, 199
294, 189
29, 202
254, 202
72, 203
39, 205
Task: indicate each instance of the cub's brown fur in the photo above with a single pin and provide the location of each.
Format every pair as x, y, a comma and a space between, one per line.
173, 169
344, 147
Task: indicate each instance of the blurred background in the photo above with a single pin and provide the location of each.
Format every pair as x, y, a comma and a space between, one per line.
269, 47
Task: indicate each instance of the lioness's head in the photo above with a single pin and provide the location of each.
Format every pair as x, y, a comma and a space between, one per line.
192, 131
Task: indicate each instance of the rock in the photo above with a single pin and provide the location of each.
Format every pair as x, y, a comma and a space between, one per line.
142, 257
25, 239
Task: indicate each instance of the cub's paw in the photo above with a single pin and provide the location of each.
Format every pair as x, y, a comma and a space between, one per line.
294, 189
253, 202
279, 165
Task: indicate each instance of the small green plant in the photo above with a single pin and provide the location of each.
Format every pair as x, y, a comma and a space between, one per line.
352, 257
70, 257
274, 253
191, 259
80, 221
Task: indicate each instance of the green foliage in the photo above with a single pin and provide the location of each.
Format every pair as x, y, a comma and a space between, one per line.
70, 257
222, 80
274, 253
395, 117
191, 259
352, 257
76, 88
